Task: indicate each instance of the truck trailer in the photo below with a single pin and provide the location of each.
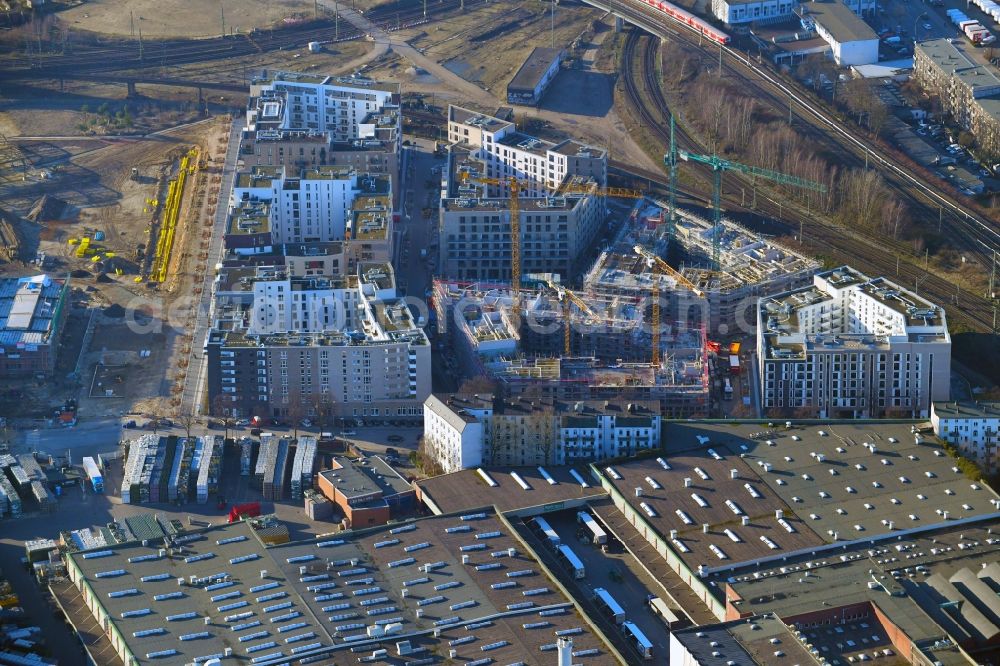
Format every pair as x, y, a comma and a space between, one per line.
94, 474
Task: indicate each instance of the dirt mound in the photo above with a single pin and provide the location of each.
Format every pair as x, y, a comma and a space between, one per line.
80, 273
114, 311
11, 240
46, 209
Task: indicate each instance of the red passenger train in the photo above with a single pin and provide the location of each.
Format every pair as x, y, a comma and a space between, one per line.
690, 20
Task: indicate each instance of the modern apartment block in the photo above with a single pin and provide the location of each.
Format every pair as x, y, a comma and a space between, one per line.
301, 120
508, 153
294, 346
972, 427
464, 431
32, 314
475, 233
968, 90
272, 210
852, 346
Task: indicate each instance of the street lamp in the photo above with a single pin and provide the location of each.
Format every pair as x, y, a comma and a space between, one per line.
915, 22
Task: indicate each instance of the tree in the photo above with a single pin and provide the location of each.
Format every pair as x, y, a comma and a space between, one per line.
296, 412
324, 410
220, 409
185, 420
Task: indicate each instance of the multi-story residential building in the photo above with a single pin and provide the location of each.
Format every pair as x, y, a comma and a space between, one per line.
270, 208
32, 314
288, 347
464, 431
454, 430
972, 427
852, 346
542, 166
968, 91
300, 121
475, 225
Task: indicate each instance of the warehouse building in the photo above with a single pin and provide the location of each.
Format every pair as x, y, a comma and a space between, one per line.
32, 314
405, 592
534, 76
299, 346
852, 346
972, 427
736, 12
750, 642
851, 40
728, 500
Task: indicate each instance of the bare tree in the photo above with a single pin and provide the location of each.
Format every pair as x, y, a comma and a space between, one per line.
185, 420
296, 412
324, 410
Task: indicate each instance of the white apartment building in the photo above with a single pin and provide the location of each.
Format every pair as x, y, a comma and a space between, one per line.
342, 107
851, 346
972, 427
453, 430
507, 153
462, 431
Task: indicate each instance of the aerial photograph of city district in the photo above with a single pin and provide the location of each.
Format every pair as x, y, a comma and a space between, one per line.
499, 332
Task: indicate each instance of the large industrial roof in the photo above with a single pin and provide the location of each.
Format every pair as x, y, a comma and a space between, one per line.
749, 642
469, 489
335, 592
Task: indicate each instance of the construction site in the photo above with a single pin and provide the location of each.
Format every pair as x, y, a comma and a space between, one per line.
749, 267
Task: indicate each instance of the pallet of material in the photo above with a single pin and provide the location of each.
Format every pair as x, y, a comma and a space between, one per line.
46, 501
208, 468
13, 500
31, 467
302, 467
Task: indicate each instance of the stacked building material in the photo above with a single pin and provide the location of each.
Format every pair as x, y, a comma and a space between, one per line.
268, 449
209, 465
21, 480
246, 454
31, 467
302, 467
275, 468
46, 500
13, 500
175, 481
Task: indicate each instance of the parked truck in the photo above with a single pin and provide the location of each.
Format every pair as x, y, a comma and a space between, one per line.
94, 474
597, 533
734, 364
241, 511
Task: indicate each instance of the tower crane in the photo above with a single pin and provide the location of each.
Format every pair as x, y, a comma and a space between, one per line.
659, 265
567, 297
719, 165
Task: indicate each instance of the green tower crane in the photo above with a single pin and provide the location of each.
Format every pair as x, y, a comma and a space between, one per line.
719, 165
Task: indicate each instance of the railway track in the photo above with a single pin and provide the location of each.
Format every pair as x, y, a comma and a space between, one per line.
864, 253
91, 53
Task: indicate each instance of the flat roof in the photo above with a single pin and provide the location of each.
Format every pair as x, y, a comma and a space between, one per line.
355, 579
28, 308
899, 480
467, 489
747, 642
967, 410
687, 509
538, 62
149, 598
865, 572
357, 478
838, 19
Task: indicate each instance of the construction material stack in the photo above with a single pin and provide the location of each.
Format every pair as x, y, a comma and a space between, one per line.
46, 501
274, 471
20, 478
317, 507
13, 501
302, 467
208, 467
139, 468
246, 456
266, 453
177, 468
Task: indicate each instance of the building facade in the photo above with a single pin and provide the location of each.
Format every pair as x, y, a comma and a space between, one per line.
32, 315
736, 12
852, 346
368, 491
967, 90
544, 431
972, 427
851, 40
295, 347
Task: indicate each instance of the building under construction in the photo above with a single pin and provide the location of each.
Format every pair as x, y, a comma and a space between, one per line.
751, 267
566, 345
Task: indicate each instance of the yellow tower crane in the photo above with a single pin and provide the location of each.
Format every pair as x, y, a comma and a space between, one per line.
567, 297
659, 265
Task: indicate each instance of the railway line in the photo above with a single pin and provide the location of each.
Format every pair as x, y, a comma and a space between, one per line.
864, 253
89, 53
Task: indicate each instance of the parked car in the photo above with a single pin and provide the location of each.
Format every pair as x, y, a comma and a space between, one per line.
255, 432
306, 423
242, 423
129, 424
348, 433
395, 438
